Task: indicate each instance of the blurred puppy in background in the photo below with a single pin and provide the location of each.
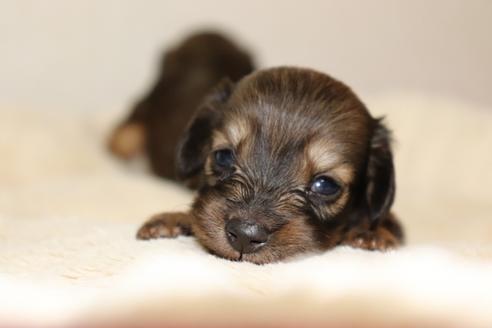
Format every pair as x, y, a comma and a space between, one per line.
187, 73
286, 160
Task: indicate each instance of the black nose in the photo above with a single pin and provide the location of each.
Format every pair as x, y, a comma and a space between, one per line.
245, 237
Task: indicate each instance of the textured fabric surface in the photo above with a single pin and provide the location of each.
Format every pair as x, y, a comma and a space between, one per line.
69, 213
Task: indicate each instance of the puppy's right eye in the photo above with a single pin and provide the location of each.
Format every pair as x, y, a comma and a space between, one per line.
224, 158
325, 186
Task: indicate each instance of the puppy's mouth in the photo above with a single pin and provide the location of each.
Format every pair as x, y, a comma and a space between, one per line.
241, 255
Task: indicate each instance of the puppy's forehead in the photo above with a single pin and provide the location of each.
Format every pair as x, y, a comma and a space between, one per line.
290, 104
293, 124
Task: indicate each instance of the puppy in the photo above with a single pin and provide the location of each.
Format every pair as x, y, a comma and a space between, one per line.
285, 161
187, 73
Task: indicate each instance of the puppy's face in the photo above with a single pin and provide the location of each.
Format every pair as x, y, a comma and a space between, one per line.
283, 161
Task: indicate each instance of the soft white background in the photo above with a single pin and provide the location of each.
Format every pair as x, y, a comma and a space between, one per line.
98, 54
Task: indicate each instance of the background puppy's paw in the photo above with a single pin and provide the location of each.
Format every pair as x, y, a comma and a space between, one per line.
381, 240
165, 225
127, 141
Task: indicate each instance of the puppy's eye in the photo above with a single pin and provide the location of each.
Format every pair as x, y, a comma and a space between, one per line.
325, 186
224, 158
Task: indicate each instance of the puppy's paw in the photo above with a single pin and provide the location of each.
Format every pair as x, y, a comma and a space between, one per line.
127, 141
381, 240
165, 225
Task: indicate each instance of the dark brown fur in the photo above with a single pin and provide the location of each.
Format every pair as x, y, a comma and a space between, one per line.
286, 126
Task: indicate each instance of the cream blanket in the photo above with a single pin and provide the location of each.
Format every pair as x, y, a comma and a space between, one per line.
69, 212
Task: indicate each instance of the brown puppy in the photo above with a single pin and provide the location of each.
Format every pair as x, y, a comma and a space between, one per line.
187, 73
286, 161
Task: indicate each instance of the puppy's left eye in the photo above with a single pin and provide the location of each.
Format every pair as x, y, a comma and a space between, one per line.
224, 158
325, 186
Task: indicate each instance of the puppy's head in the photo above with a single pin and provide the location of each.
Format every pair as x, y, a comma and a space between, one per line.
284, 161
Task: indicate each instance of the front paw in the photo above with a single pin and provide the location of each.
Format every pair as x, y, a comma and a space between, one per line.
381, 240
165, 225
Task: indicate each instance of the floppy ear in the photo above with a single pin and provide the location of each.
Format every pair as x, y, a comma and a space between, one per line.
195, 142
380, 179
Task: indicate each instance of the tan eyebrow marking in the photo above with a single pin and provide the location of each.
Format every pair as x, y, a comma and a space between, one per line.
322, 154
323, 157
237, 130
219, 140
237, 134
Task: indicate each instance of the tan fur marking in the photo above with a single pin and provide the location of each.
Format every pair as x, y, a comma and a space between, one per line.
336, 207
343, 172
219, 140
237, 130
323, 157
128, 140
322, 154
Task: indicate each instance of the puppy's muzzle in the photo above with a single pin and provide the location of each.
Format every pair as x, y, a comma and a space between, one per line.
245, 237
